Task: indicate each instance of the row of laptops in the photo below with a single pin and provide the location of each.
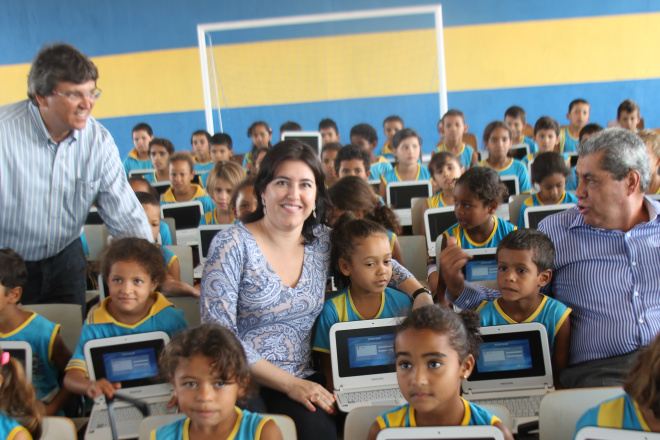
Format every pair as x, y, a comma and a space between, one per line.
514, 366
493, 433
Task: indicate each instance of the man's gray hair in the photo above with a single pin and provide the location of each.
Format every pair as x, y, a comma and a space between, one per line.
623, 151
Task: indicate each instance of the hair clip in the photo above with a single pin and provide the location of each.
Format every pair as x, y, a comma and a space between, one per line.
5, 358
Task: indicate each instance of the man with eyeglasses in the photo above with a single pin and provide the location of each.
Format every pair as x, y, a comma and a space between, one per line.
57, 161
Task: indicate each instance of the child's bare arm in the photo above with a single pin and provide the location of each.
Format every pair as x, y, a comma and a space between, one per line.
504, 429
60, 357
560, 352
373, 431
171, 287
326, 368
270, 431
397, 253
475, 158
382, 190
77, 382
175, 270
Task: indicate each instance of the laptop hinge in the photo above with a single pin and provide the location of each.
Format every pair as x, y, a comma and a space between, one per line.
468, 393
548, 387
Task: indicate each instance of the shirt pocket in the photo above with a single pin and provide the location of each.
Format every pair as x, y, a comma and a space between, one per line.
84, 197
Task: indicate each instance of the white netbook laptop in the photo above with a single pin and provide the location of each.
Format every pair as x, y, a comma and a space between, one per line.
482, 268
534, 214
596, 433
21, 351
437, 221
186, 216
512, 184
442, 433
400, 195
131, 360
519, 151
205, 235
363, 363
161, 187
514, 370
141, 172
311, 138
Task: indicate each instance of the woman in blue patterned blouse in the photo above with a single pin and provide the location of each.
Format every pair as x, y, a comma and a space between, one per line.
265, 279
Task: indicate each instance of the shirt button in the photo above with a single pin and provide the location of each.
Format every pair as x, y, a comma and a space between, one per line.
636, 293
641, 320
634, 263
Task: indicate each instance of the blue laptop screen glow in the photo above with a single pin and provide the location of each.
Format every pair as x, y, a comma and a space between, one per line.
481, 270
371, 351
504, 356
130, 365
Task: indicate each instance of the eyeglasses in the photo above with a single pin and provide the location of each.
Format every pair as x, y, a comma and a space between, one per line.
76, 97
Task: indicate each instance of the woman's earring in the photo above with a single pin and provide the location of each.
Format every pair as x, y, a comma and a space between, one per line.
263, 202
314, 210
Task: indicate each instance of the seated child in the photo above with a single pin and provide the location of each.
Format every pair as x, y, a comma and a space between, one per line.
289, 126
222, 182
222, 147
516, 118
244, 201
328, 155
138, 158
638, 409
549, 174
497, 139
160, 150
524, 262
361, 256
329, 131
627, 115
140, 184
17, 400
453, 123
261, 135
207, 366
258, 158
391, 125
407, 147
352, 160
589, 130
578, 115
365, 137
200, 142
435, 350
352, 194
132, 268
49, 353
652, 141
181, 173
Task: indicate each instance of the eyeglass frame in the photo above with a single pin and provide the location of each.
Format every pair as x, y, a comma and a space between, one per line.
75, 97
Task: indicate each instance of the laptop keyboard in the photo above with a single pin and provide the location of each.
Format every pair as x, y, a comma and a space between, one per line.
128, 414
526, 406
370, 397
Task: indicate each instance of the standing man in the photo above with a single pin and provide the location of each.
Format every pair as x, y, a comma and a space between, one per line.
56, 162
607, 261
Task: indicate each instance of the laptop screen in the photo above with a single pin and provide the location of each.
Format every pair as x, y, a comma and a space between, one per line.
400, 196
482, 267
511, 186
519, 152
93, 217
509, 355
439, 222
133, 364
365, 351
161, 187
185, 217
442, 433
535, 216
311, 138
207, 235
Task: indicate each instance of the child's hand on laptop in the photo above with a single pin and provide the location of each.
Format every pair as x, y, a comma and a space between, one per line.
451, 262
102, 387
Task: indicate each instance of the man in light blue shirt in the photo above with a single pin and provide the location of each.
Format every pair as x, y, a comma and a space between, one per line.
607, 264
57, 161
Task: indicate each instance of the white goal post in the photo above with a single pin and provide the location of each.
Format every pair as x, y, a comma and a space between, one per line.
204, 29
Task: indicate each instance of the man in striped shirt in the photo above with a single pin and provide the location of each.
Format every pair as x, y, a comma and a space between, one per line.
607, 264
57, 161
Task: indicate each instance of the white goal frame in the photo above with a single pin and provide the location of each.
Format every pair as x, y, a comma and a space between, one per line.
203, 29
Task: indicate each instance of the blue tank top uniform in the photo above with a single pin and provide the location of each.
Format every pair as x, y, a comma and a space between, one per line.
620, 413
500, 230
248, 427
533, 200
200, 195
379, 168
437, 201
165, 234
131, 162
393, 175
515, 168
9, 428
567, 143
169, 256
465, 155
404, 417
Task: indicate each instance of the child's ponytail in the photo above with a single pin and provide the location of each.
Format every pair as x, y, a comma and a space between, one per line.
385, 216
17, 398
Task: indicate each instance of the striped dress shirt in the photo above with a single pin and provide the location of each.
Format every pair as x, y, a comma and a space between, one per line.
610, 278
47, 188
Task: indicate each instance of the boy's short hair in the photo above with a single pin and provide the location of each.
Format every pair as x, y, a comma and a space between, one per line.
590, 129
143, 126
198, 132
365, 131
393, 118
546, 123
405, 133
55, 63
439, 159
651, 139
290, 126
543, 251
165, 143
628, 106
453, 112
516, 112
328, 123
182, 156
222, 139
548, 163
147, 198
576, 102
13, 272
137, 250
350, 152
334, 146
226, 170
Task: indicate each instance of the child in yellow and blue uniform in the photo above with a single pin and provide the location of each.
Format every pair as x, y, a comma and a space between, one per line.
578, 115
132, 268
435, 350
221, 185
525, 258
549, 174
160, 150
516, 119
639, 407
407, 146
454, 126
362, 258
211, 352
391, 125
138, 158
17, 401
497, 139
181, 172
261, 135
365, 137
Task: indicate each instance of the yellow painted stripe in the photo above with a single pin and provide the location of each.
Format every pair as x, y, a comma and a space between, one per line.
492, 56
